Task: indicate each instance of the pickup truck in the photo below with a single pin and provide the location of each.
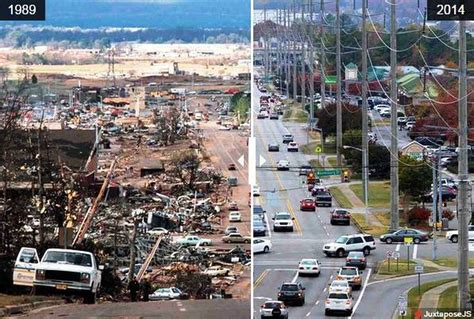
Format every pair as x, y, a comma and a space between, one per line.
452, 235
60, 270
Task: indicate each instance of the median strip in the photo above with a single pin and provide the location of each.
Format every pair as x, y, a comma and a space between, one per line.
296, 222
260, 278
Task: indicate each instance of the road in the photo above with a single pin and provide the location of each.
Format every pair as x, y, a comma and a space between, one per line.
282, 191
180, 309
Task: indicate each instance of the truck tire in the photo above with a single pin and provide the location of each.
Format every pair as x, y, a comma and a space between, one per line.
454, 239
366, 251
90, 297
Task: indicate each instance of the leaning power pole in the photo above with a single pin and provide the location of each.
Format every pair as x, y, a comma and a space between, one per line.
338, 87
288, 51
365, 130
303, 53
265, 45
311, 65
464, 295
394, 220
295, 64
323, 61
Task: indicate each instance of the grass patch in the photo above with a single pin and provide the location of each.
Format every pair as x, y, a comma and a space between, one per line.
379, 194
384, 218
374, 230
309, 148
287, 115
448, 299
340, 197
315, 163
451, 261
402, 267
414, 299
332, 161
299, 116
7, 300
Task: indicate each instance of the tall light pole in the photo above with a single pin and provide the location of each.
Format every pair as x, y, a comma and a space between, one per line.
365, 142
464, 295
394, 215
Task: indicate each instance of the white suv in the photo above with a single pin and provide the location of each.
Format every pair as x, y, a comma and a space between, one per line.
453, 235
344, 244
339, 302
282, 221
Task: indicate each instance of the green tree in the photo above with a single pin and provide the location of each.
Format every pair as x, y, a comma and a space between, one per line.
351, 119
414, 177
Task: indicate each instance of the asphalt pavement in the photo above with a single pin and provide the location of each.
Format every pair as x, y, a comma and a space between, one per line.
282, 191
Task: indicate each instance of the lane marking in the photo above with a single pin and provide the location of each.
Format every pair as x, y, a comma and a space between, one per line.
361, 293
262, 298
182, 309
260, 278
317, 302
307, 315
292, 213
415, 251
295, 277
268, 226
398, 247
436, 273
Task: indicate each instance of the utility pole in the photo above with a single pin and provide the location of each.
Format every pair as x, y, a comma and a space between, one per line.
303, 54
323, 62
394, 217
265, 46
311, 65
433, 214
464, 215
280, 55
295, 84
338, 88
288, 54
365, 143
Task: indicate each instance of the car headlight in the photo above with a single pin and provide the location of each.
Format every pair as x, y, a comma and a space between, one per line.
85, 277
40, 274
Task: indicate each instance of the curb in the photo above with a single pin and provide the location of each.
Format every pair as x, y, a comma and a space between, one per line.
24, 308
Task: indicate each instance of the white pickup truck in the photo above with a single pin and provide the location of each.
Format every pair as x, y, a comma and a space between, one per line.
452, 235
66, 270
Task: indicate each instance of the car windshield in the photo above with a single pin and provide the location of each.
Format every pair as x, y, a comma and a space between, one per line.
338, 296
289, 287
308, 262
283, 216
67, 257
355, 254
341, 240
271, 305
339, 284
348, 272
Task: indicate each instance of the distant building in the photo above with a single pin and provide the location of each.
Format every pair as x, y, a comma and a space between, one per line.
414, 150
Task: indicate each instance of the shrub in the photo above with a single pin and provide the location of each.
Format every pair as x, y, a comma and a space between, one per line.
418, 215
448, 214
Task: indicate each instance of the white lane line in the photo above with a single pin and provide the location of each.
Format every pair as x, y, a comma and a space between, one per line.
361, 293
324, 290
262, 298
295, 277
317, 302
415, 251
268, 226
293, 269
331, 277
398, 247
307, 315
182, 309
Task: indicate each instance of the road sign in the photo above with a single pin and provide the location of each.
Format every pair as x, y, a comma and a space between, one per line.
389, 254
419, 269
328, 172
408, 240
318, 149
396, 255
330, 79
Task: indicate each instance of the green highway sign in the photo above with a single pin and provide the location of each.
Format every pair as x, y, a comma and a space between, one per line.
330, 79
328, 172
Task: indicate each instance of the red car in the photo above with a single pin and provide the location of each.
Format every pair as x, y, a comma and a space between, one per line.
308, 204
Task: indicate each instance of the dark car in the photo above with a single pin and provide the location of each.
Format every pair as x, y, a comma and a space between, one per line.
323, 199
340, 216
274, 116
291, 293
259, 228
258, 211
356, 259
273, 147
287, 138
447, 194
400, 235
305, 169
308, 204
